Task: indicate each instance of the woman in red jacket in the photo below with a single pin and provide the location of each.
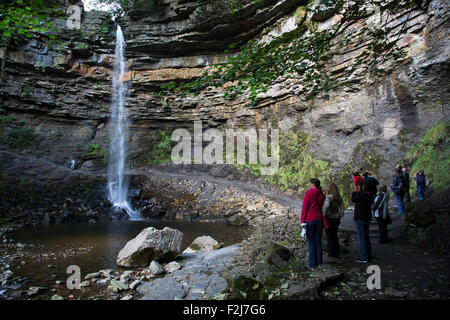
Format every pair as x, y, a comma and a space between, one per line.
311, 222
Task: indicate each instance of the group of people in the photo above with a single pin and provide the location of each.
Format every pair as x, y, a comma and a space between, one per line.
324, 211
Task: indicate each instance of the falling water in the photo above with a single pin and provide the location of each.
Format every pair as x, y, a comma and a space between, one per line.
117, 182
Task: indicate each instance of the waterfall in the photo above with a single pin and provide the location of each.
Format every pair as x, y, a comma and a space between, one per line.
117, 162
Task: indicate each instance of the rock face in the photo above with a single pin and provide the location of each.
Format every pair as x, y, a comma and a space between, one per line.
150, 244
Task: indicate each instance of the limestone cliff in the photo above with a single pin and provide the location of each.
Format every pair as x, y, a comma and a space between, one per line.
62, 89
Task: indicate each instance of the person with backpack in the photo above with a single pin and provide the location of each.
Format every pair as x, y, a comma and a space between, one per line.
362, 217
421, 182
408, 183
371, 182
333, 210
312, 224
381, 213
398, 188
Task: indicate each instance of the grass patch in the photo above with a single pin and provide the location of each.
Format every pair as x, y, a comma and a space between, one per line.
432, 154
162, 149
296, 165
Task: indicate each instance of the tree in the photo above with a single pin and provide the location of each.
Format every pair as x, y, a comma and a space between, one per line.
23, 18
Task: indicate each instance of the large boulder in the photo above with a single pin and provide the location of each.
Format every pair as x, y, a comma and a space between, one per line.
203, 243
150, 244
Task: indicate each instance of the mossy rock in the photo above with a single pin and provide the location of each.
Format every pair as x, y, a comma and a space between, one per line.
282, 251
242, 288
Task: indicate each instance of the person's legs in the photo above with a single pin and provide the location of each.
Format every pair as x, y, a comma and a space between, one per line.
318, 235
337, 248
399, 200
311, 237
386, 234
329, 241
407, 197
420, 192
332, 237
381, 228
367, 240
363, 254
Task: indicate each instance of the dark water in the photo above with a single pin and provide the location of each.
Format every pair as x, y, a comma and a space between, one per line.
94, 246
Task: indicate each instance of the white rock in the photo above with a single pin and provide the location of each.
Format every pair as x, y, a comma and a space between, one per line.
134, 284
172, 266
203, 243
155, 268
150, 244
125, 276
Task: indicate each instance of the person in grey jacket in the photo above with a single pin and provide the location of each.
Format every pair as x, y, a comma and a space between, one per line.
381, 213
333, 210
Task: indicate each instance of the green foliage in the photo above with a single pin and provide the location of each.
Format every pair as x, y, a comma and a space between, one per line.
162, 149
27, 90
432, 154
296, 165
344, 181
20, 137
4, 119
94, 150
24, 18
305, 55
17, 135
237, 5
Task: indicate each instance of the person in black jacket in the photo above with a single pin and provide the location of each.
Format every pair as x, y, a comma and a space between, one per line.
363, 215
371, 183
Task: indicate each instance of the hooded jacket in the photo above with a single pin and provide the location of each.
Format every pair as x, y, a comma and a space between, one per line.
312, 205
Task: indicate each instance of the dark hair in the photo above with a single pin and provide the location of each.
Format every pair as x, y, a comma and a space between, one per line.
366, 173
315, 182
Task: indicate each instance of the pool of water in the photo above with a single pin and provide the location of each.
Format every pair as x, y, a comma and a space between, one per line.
49, 250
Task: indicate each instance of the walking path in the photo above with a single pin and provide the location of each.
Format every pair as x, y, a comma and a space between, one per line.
407, 271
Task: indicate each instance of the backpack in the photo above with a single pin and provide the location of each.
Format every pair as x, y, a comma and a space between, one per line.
399, 187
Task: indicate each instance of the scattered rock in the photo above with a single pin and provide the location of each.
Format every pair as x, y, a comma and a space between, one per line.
125, 276
36, 290
127, 297
116, 286
150, 244
106, 272
85, 284
154, 269
172, 266
92, 275
57, 297
203, 243
134, 284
